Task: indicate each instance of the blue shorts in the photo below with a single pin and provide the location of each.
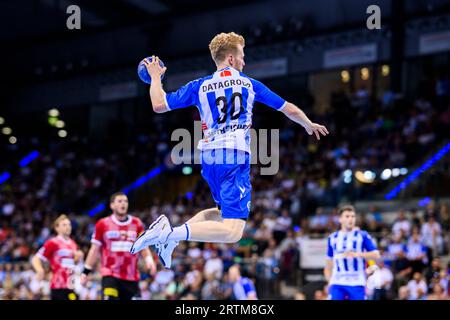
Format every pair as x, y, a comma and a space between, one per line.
227, 173
339, 292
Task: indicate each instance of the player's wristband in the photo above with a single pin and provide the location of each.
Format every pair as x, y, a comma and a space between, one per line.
86, 270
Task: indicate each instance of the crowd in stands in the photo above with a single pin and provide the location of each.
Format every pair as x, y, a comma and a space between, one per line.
70, 176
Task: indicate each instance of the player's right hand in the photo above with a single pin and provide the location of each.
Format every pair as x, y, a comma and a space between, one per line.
83, 279
153, 67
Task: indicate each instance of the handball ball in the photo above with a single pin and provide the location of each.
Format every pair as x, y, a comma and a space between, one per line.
143, 73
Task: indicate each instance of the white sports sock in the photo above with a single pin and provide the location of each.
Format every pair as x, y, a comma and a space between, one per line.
182, 232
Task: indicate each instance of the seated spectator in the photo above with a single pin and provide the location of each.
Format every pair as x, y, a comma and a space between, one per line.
402, 226
318, 223
282, 225
299, 296
417, 287
380, 281
437, 294
433, 271
403, 293
416, 253
431, 232
397, 248
213, 266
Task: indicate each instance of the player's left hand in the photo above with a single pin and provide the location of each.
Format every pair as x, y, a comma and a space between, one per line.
316, 129
151, 267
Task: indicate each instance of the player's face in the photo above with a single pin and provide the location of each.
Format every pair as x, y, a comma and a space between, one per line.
233, 274
64, 228
120, 205
347, 220
237, 60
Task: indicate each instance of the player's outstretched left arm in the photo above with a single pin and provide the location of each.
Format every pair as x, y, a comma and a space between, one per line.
297, 115
157, 94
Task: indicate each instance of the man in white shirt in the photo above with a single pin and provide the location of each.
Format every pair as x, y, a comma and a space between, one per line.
402, 226
417, 287
214, 265
431, 232
380, 281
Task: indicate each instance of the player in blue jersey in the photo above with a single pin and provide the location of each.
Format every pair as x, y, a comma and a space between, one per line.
348, 249
225, 101
243, 287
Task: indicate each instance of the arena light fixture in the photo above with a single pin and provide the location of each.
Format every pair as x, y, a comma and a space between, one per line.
53, 112
29, 158
364, 177
52, 121
365, 73
2, 120
423, 202
386, 174
395, 172
60, 124
62, 133
12, 140
4, 177
187, 170
385, 70
416, 173
345, 76
6, 131
347, 176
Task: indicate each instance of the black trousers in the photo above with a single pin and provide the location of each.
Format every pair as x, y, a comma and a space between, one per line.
63, 294
118, 289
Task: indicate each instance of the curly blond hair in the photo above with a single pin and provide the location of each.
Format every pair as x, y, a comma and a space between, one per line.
223, 44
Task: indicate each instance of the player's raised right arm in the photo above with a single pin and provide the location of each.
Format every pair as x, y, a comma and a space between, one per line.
157, 94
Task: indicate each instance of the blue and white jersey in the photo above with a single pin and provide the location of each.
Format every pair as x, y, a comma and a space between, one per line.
349, 271
242, 288
225, 101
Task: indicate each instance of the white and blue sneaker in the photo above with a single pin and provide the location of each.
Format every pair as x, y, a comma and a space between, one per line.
165, 251
158, 230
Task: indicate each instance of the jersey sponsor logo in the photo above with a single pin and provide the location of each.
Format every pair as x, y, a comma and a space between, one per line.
225, 73
225, 84
228, 128
114, 234
121, 234
67, 263
128, 234
121, 246
64, 252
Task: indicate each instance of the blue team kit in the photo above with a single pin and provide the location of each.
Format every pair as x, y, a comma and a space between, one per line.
225, 101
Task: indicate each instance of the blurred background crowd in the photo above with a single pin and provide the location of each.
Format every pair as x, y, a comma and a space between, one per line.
77, 126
